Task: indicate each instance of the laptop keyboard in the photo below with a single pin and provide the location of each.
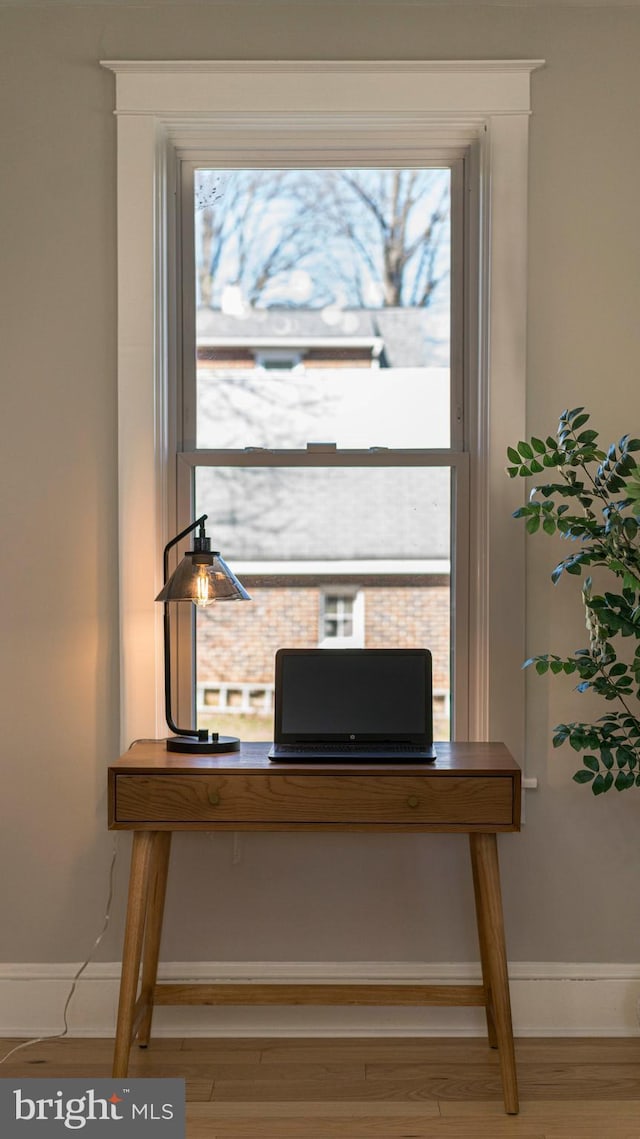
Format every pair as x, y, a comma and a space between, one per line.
353, 748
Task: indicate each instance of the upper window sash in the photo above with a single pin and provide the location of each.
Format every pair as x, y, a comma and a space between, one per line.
224, 111
186, 423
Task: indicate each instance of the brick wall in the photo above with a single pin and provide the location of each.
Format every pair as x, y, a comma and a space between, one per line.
412, 617
237, 641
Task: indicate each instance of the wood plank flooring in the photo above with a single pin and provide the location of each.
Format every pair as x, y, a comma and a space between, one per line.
373, 1089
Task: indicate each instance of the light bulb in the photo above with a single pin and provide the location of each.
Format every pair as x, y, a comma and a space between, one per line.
203, 595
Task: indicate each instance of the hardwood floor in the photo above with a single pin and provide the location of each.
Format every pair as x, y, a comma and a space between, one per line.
374, 1089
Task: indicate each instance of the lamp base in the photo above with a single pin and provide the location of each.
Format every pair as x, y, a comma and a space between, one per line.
188, 745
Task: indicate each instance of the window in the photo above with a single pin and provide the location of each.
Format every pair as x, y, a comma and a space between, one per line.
432, 113
341, 266
341, 618
278, 360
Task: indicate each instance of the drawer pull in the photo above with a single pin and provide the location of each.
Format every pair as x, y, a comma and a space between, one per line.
413, 801
213, 797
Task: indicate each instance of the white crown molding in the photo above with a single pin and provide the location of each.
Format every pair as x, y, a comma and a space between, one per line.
316, 66
168, 88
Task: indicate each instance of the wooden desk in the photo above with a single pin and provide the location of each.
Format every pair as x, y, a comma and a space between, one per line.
473, 788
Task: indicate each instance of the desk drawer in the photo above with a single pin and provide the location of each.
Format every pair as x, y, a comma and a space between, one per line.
246, 799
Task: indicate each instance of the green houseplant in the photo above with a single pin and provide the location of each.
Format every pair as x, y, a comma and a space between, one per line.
592, 499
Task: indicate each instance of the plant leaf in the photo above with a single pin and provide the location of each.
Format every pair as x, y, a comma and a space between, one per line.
602, 784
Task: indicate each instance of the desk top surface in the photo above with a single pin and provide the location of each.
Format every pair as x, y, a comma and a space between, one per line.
479, 759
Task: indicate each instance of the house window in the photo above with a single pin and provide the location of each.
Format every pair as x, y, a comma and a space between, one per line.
345, 472
173, 115
341, 618
278, 360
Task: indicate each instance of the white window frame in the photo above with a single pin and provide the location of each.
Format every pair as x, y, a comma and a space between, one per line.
356, 595
179, 110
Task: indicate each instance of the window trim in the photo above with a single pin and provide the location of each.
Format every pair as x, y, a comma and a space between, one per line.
172, 110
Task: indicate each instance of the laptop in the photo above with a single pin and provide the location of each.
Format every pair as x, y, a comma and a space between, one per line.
353, 704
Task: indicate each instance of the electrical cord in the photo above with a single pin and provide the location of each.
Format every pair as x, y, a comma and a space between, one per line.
80, 971
87, 962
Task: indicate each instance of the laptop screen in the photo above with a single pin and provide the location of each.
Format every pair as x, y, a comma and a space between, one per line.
364, 695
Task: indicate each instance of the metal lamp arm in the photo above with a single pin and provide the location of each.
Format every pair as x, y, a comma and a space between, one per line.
174, 541
195, 732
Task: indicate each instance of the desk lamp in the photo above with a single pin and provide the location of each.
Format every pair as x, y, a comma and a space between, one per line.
202, 577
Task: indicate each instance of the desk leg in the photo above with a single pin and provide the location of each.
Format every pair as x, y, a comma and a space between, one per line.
141, 863
484, 950
486, 874
153, 930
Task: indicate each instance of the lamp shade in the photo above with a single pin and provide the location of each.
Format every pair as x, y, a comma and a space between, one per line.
203, 577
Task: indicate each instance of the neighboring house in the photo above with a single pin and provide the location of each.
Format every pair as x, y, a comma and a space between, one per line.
331, 557
288, 337
281, 340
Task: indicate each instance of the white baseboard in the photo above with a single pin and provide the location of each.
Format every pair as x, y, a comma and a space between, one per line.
548, 999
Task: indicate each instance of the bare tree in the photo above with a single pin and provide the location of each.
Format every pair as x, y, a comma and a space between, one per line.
258, 231
393, 221
362, 238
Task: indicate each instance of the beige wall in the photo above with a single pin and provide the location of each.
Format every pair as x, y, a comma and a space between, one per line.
571, 878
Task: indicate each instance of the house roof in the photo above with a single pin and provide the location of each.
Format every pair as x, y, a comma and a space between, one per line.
409, 336
350, 514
